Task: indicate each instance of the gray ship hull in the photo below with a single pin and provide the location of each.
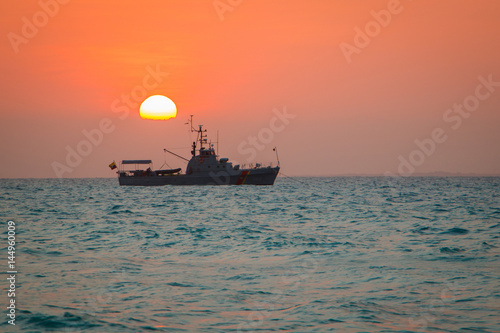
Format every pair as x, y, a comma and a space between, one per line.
259, 176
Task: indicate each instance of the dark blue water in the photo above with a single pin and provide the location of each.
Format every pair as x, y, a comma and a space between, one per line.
306, 255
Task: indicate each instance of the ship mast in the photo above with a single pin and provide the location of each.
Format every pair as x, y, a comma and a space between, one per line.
200, 136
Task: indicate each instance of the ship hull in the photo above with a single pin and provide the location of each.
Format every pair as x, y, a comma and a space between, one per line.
259, 176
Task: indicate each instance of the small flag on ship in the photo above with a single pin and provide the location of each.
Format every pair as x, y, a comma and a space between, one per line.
112, 165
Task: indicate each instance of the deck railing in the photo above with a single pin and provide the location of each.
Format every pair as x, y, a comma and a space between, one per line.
258, 165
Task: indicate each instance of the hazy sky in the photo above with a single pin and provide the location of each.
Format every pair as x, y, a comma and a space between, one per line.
340, 87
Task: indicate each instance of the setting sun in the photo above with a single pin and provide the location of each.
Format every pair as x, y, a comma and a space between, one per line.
158, 107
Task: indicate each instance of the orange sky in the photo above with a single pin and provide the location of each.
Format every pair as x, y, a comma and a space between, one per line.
231, 63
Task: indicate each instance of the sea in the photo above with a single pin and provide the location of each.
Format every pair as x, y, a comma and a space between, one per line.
341, 254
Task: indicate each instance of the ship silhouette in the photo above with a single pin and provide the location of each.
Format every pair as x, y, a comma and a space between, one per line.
204, 168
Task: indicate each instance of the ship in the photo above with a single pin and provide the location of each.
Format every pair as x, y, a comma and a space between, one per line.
204, 168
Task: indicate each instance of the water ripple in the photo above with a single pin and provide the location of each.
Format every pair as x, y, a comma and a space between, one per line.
323, 254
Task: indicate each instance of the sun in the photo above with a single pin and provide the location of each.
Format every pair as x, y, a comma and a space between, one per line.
158, 107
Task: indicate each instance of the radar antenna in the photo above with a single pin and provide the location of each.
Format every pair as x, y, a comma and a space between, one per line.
201, 136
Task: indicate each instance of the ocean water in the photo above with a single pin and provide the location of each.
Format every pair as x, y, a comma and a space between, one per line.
354, 254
